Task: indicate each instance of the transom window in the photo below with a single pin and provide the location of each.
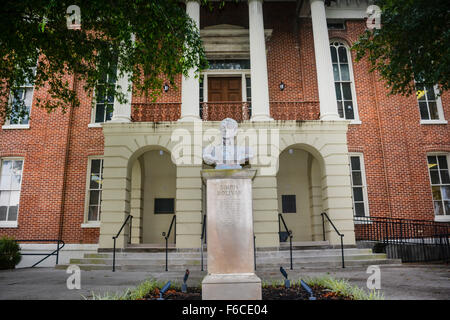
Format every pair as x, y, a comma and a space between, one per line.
104, 99
343, 80
359, 187
440, 184
10, 185
94, 190
429, 103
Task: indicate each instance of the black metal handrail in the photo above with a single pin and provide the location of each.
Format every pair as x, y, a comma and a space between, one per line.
412, 240
323, 214
281, 219
166, 237
203, 237
130, 217
254, 250
54, 252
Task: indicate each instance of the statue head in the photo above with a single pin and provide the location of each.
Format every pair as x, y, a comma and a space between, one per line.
228, 128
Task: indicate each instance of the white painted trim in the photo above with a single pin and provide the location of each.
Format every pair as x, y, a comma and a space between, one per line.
9, 224
87, 223
16, 126
442, 218
364, 181
13, 224
95, 125
91, 224
352, 81
428, 122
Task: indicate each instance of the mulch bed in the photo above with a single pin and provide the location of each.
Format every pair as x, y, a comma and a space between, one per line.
269, 293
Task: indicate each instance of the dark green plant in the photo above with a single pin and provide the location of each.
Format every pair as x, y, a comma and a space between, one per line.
9, 253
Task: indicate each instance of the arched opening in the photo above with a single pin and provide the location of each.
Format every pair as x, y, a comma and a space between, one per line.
300, 193
153, 190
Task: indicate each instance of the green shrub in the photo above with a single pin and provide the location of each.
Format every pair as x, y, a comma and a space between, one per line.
9, 253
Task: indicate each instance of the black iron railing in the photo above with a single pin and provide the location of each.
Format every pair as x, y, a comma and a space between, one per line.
47, 255
283, 234
129, 218
324, 215
173, 223
410, 240
203, 237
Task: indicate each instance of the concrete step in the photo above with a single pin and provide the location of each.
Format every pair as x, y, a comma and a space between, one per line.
194, 254
260, 268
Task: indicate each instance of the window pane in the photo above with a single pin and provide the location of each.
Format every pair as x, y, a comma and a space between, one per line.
12, 213
342, 54
4, 198
346, 91
436, 193
349, 114
359, 209
7, 167
345, 73
94, 197
15, 182
100, 113
340, 109
28, 98
358, 194
432, 160
447, 207
336, 72
3, 210
95, 166
333, 54
109, 111
444, 177
430, 93
434, 174
446, 192
93, 213
433, 111
438, 208
357, 179
356, 165
337, 87
14, 198
5, 182
95, 182
424, 111
442, 162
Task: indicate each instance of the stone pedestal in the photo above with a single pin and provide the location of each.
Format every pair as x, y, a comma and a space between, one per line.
231, 268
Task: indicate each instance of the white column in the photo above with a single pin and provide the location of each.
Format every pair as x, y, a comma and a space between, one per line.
190, 102
325, 80
122, 111
258, 63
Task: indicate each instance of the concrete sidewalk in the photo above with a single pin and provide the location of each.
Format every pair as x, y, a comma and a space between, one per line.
410, 281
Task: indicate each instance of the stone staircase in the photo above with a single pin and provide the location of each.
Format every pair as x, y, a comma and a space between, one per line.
306, 256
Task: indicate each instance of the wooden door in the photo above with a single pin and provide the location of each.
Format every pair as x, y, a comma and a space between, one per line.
224, 89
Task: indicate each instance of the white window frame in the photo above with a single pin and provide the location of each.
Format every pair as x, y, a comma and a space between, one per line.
13, 224
363, 180
87, 223
94, 124
440, 110
444, 218
8, 125
352, 82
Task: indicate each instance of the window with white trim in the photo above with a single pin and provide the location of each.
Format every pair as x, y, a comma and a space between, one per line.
94, 190
359, 186
104, 98
10, 185
343, 80
430, 105
440, 183
21, 100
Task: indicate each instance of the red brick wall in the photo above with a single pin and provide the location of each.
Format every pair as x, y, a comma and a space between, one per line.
390, 136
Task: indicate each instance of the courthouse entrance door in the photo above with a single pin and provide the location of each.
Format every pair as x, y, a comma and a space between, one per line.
224, 89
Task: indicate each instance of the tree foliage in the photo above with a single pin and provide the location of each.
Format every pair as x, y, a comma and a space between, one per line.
35, 33
413, 43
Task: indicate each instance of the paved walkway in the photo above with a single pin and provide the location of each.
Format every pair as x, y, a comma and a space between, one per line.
406, 282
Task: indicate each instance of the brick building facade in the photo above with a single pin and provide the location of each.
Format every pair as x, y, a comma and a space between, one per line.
387, 132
